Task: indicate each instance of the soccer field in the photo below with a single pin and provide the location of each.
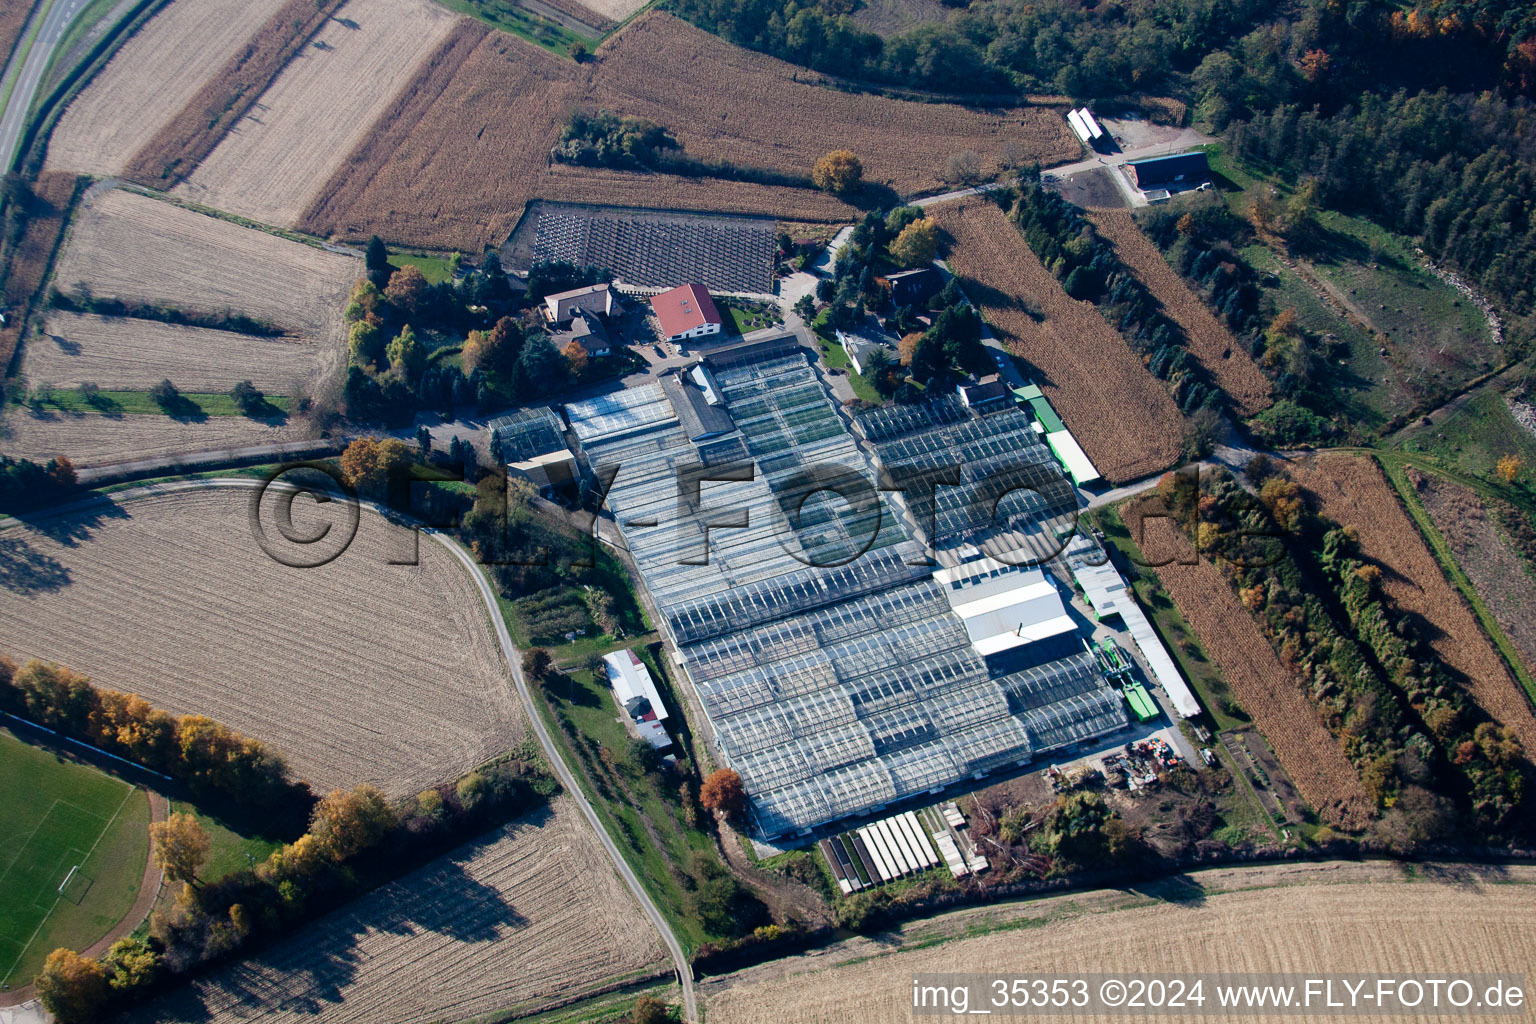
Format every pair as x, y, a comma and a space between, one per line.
55, 816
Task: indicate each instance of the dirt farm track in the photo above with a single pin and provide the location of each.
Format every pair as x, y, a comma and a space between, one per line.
1333, 917
356, 671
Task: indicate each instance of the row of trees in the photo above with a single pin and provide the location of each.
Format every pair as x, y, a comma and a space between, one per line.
25, 484
357, 839
1089, 269
1236, 57
206, 755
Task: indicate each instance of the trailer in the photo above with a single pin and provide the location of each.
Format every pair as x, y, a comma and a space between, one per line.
1141, 702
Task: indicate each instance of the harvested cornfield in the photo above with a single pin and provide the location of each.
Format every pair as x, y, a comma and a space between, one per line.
1351, 490
150, 80
1121, 415
1269, 692
224, 99
1306, 918
753, 110
123, 354
318, 109
94, 440
1500, 573
614, 10
529, 915
503, 104
129, 246
27, 263
357, 671
1210, 342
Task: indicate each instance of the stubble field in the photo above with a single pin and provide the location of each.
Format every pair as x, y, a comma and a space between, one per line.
1120, 414
129, 246
318, 109
1488, 557
1319, 924
89, 439
356, 671
1268, 691
527, 916
124, 354
150, 80
1210, 342
500, 104
1351, 490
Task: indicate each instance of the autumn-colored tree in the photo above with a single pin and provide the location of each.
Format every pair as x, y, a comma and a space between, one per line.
575, 354
907, 346
55, 696
406, 289
72, 987
917, 244
1186, 225
1282, 497
1315, 64
62, 471
649, 1010
723, 792
838, 172
477, 347
1509, 468
349, 821
369, 463
180, 846
365, 343
364, 304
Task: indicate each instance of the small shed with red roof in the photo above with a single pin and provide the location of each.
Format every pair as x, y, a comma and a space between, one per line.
687, 311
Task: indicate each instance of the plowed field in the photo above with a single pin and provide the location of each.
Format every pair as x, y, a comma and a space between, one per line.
150, 80
1269, 692
1351, 490
1210, 342
357, 671
1120, 414
530, 915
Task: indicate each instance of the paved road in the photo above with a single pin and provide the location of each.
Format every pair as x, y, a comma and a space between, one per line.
14, 120
568, 778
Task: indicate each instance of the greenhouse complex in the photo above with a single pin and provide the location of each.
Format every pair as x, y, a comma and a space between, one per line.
840, 668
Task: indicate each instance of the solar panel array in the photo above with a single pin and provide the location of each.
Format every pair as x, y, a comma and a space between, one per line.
832, 688
653, 249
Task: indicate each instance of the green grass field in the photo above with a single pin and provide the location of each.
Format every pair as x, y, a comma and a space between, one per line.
231, 850
1435, 340
54, 815
139, 403
434, 268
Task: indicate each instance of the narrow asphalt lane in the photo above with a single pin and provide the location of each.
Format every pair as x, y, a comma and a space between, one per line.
14, 120
568, 779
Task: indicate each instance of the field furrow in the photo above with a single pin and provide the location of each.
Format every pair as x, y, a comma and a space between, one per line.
124, 354
1210, 343
357, 671
1351, 490
1121, 415
318, 109
150, 80
529, 915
